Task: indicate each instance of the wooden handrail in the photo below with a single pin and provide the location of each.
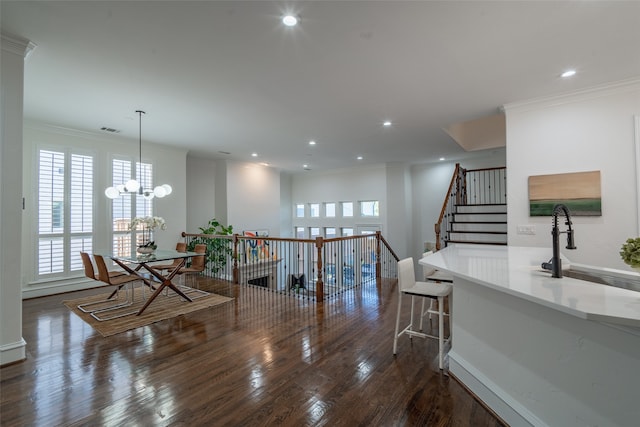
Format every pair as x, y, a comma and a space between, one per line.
446, 198
383, 240
438, 224
485, 169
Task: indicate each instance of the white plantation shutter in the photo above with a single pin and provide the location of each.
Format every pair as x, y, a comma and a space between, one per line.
144, 207
81, 194
81, 209
65, 210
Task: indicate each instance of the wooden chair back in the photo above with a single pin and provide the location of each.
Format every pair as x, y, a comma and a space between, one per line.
88, 266
197, 262
103, 273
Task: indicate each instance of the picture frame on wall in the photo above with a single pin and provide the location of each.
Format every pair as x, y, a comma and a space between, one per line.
256, 249
579, 191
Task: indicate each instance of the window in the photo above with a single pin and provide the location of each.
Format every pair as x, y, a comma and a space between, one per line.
314, 210
65, 210
347, 209
314, 232
330, 210
347, 231
127, 207
330, 232
299, 210
369, 208
299, 232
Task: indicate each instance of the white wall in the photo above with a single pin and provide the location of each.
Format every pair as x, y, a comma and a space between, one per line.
342, 185
12, 345
430, 183
169, 168
201, 193
286, 213
399, 211
584, 131
253, 197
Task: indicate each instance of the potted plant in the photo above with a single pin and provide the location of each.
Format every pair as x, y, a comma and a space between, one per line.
148, 223
218, 250
630, 252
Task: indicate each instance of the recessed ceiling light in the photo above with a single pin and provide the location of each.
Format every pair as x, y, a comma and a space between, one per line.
305, 166
359, 158
312, 143
254, 154
264, 164
387, 123
441, 158
568, 73
289, 20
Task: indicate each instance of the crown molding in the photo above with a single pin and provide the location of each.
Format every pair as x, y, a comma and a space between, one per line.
17, 45
575, 96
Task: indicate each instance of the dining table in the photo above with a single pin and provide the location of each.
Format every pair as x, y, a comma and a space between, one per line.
155, 279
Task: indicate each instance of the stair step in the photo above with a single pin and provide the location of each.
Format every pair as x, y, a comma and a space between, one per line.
477, 232
486, 208
475, 242
477, 236
481, 224
480, 216
477, 222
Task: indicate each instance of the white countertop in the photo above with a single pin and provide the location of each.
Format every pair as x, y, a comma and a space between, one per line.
516, 271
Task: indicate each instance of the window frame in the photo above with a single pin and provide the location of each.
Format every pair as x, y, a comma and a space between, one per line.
342, 207
124, 241
375, 207
74, 232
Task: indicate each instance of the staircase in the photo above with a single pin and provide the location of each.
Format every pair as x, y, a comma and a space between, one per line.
475, 208
480, 224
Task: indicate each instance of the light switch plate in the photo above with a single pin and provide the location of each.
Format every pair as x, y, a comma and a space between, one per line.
526, 229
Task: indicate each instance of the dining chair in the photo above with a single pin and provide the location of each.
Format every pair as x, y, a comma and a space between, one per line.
407, 285
89, 272
119, 281
180, 247
197, 262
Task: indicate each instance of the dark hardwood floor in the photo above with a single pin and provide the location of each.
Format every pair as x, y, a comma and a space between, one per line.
263, 359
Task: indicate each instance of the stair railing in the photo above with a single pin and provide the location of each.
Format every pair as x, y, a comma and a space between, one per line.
455, 195
486, 186
316, 269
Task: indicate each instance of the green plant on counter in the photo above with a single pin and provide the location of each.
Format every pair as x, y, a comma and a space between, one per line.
218, 250
630, 252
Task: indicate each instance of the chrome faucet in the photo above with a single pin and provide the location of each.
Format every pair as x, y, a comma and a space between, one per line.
555, 264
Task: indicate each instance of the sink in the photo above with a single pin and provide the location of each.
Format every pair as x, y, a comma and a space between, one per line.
606, 276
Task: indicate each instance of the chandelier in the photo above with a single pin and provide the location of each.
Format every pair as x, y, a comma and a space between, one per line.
133, 186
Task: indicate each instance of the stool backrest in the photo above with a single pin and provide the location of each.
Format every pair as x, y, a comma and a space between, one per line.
406, 274
427, 271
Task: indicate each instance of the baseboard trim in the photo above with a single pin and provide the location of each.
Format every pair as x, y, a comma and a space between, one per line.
13, 352
44, 289
494, 397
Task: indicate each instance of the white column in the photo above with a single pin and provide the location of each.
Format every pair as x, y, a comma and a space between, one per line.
14, 50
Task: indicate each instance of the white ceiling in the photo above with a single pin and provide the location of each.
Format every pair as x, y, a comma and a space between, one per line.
228, 76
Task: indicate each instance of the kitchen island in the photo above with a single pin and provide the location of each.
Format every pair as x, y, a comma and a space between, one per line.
539, 350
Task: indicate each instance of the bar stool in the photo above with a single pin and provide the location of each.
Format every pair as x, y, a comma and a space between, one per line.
407, 285
432, 275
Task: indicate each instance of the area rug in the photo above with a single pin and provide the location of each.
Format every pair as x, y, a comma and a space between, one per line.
165, 306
